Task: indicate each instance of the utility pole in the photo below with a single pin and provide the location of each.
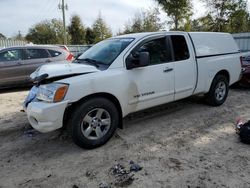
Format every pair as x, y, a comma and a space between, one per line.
63, 7
19, 36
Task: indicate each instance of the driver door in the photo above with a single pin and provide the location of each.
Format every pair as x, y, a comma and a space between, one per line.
154, 84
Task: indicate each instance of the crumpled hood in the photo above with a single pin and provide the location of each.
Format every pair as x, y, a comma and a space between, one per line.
64, 68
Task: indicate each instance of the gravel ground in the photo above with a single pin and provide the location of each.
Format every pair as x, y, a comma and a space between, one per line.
181, 144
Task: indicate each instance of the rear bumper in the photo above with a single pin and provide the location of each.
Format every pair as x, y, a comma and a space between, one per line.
46, 117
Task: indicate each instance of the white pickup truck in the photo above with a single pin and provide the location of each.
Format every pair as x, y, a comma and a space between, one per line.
128, 73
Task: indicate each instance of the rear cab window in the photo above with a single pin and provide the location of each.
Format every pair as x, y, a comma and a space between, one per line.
37, 53
180, 48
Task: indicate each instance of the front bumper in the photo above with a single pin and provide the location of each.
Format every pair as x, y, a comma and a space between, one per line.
46, 117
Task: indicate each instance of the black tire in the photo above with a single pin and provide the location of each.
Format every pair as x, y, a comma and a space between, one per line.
76, 123
211, 97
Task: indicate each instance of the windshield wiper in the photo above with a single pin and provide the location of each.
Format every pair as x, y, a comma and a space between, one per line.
89, 61
96, 61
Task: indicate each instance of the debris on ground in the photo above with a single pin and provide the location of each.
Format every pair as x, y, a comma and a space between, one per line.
124, 177
239, 124
90, 174
134, 167
75, 186
243, 129
104, 185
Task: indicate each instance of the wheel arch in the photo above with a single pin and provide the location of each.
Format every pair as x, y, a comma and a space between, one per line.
224, 73
108, 96
221, 72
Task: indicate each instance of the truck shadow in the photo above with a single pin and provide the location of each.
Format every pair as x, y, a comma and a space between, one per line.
165, 109
238, 86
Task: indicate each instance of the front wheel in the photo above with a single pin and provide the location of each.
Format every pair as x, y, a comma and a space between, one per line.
93, 123
218, 91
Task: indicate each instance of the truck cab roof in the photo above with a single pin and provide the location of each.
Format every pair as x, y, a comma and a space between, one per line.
205, 43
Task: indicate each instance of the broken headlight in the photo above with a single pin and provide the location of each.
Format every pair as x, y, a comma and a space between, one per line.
54, 92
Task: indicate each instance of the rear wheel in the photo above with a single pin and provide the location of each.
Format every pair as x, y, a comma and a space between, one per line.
218, 91
93, 123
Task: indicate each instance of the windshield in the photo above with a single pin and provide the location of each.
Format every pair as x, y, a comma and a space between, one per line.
105, 52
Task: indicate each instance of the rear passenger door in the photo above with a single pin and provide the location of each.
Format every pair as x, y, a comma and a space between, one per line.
35, 57
185, 66
11, 70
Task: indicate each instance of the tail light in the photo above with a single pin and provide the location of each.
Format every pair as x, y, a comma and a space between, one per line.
70, 57
241, 61
243, 66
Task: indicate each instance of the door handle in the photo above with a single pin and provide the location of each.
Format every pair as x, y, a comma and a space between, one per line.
48, 61
19, 63
167, 69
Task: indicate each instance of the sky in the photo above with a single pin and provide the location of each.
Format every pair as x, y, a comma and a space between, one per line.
20, 15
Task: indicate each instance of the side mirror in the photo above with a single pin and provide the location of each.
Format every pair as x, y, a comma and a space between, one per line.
141, 61
144, 59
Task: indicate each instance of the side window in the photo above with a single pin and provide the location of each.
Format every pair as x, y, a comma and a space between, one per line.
158, 51
11, 55
54, 53
37, 53
180, 47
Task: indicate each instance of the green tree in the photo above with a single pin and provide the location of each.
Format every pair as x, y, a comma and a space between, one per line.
76, 30
100, 29
135, 25
205, 23
46, 32
90, 36
228, 15
188, 24
239, 19
178, 11
2, 36
144, 21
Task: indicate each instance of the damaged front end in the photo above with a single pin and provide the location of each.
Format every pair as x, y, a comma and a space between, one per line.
44, 80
